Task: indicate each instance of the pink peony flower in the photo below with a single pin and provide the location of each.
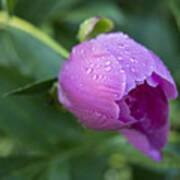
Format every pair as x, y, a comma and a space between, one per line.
114, 83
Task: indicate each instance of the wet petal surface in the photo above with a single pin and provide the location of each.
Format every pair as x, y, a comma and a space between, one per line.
91, 80
149, 106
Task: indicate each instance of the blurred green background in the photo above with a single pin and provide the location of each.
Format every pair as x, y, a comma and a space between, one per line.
39, 140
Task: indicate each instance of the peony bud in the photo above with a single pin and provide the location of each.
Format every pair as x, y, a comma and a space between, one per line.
114, 83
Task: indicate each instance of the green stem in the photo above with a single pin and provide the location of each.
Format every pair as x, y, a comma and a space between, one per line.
18, 23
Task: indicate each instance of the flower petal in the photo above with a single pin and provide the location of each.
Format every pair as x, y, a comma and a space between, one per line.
140, 141
150, 133
134, 58
162, 76
89, 83
139, 63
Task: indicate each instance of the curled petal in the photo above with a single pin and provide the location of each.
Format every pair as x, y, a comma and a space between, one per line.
114, 83
149, 106
162, 76
139, 63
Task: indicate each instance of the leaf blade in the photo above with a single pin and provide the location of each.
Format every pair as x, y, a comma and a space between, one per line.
16, 22
33, 88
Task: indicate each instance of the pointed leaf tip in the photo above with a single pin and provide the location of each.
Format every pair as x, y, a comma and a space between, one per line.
91, 27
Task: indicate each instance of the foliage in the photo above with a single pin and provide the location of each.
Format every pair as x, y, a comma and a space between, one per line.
39, 139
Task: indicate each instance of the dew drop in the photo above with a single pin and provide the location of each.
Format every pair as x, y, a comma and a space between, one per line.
116, 95
97, 114
119, 58
94, 77
100, 76
93, 48
132, 60
82, 51
89, 70
108, 62
108, 68
132, 69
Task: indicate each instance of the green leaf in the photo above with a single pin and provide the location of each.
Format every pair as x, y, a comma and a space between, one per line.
57, 169
22, 167
91, 27
21, 25
29, 167
106, 9
175, 7
33, 88
33, 120
6, 146
174, 115
42, 11
37, 124
9, 5
140, 172
125, 152
89, 166
28, 49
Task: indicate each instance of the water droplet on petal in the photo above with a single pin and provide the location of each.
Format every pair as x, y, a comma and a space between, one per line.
89, 70
82, 51
94, 77
93, 48
108, 62
132, 60
97, 114
132, 69
100, 76
108, 68
119, 58
116, 95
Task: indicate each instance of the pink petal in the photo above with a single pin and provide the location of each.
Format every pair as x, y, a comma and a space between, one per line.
150, 133
139, 63
134, 58
90, 82
162, 76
